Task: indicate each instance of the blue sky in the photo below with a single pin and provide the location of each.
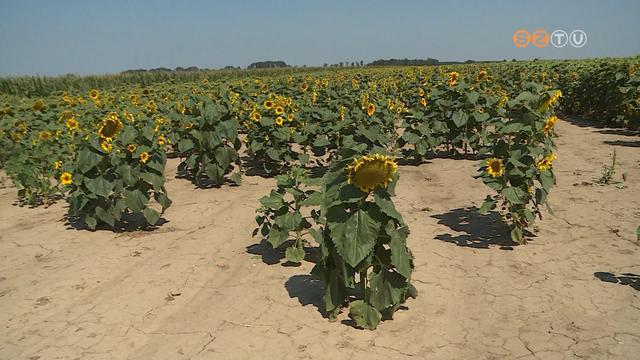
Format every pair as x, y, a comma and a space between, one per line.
96, 37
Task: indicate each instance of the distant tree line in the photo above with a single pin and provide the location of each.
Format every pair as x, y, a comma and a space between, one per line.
267, 64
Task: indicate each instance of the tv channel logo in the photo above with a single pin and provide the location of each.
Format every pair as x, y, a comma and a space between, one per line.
541, 38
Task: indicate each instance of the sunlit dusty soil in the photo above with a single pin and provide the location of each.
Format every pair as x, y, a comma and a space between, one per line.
198, 287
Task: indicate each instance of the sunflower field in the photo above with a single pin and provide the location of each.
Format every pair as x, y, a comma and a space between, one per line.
332, 139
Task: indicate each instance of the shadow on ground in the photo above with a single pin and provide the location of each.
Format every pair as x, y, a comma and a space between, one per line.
308, 290
479, 231
630, 279
271, 256
623, 143
129, 223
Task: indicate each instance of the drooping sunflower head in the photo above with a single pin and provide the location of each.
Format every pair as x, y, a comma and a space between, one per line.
66, 178
110, 127
482, 75
453, 78
495, 167
371, 109
38, 105
371, 171
548, 125
546, 163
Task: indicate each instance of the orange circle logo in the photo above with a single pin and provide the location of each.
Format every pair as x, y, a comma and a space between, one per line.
540, 38
521, 38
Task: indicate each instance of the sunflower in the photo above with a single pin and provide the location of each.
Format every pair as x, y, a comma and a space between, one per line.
131, 148
421, 92
66, 178
279, 110
255, 116
45, 135
110, 127
453, 78
423, 102
495, 167
134, 99
279, 121
371, 109
106, 145
546, 162
57, 164
291, 117
548, 125
94, 94
371, 171
482, 75
304, 86
550, 101
268, 104
129, 116
205, 81
144, 157
38, 105
181, 108
72, 124
161, 140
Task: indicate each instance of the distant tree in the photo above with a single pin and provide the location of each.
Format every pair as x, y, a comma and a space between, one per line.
325, 65
267, 64
341, 64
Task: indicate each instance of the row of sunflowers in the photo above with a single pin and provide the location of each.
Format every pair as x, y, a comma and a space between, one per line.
105, 151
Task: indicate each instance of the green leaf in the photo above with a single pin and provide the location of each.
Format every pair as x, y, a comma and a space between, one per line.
514, 195
387, 288
386, 206
88, 159
516, 235
356, 237
273, 201
151, 215
277, 236
236, 178
460, 118
105, 216
136, 200
91, 222
185, 145
163, 200
98, 186
638, 232
294, 254
314, 199
224, 156
400, 256
488, 205
365, 316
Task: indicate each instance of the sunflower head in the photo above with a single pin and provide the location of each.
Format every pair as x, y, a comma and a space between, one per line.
482, 75
110, 127
423, 102
94, 94
57, 164
131, 148
268, 104
279, 110
162, 140
291, 117
548, 125
279, 121
371, 109
66, 178
453, 78
38, 105
495, 167
106, 146
72, 124
546, 163
45, 135
144, 157
255, 116
371, 171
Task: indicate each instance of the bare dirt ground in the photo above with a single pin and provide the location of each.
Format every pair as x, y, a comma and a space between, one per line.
199, 287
